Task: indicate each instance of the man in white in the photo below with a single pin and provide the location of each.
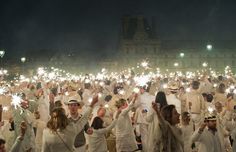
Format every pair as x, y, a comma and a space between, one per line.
144, 104
172, 98
209, 136
74, 104
194, 103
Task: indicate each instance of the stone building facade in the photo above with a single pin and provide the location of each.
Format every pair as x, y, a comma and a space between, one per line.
139, 41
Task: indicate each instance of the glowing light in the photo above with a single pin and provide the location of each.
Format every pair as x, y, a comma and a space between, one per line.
165, 86
234, 91
121, 92
144, 64
90, 100
181, 55
204, 64
210, 109
2, 91
215, 85
23, 59
16, 100
106, 106
5, 108
209, 47
136, 90
227, 90
188, 89
2, 52
142, 80
176, 64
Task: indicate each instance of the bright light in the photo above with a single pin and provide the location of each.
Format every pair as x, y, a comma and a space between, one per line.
181, 55
188, 89
23, 59
16, 100
204, 64
5, 108
136, 90
209, 47
210, 109
2, 53
106, 106
90, 100
176, 64
2, 91
144, 64
234, 91
165, 86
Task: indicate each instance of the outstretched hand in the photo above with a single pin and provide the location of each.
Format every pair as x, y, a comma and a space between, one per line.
94, 101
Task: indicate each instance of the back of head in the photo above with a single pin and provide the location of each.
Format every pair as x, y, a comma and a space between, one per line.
161, 99
58, 119
221, 88
195, 85
97, 123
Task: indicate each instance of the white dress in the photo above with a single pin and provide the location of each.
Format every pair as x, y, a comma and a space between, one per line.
97, 141
125, 137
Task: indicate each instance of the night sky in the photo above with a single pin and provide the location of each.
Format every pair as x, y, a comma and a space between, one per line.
88, 26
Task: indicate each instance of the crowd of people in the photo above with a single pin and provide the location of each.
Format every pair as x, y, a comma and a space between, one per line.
119, 114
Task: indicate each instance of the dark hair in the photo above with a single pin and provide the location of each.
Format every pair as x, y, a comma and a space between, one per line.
195, 85
161, 99
209, 97
166, 112
54, 91
87, 85
2, 141
108, 98
97, 123
221, 88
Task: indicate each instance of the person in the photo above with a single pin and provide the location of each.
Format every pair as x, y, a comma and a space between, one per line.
220, 95
154, 132
17, 146
39, 125
144, 104
210, 139
2, 145
74, 104
97, 140
171, 134
20, 114
172, 97
60, 132
125, 137
194, 104
187, 128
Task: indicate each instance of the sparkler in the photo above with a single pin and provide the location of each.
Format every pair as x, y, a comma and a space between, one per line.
2, 90
16, 101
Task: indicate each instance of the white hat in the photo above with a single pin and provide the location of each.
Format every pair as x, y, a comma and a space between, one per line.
74, 99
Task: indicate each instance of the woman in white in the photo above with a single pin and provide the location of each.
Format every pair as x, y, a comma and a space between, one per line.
125, 137
60, 133
97, 140
171, 134
154, 130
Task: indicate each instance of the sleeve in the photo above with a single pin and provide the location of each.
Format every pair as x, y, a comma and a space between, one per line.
107, 129
45, 147
83, 120
126, 110
17, 145
197, 136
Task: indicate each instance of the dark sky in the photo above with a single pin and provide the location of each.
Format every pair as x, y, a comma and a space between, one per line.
93, 25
